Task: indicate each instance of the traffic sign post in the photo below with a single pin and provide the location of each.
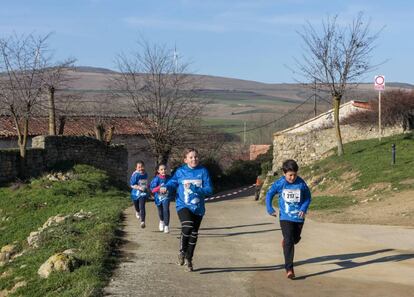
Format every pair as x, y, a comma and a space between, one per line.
379, 85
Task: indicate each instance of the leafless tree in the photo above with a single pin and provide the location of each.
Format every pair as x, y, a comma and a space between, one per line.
23, 60
336, 57
162, 95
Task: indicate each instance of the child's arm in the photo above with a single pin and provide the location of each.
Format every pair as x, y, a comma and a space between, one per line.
306, 202
269, 199
154, 185
172, 183
133, 181
206, 189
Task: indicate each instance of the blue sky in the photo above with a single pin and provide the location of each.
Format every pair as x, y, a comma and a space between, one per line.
252, 40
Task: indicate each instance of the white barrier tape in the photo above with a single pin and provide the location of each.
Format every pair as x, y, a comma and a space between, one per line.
230, 194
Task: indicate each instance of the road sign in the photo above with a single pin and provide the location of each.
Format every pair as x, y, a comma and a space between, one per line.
379, 82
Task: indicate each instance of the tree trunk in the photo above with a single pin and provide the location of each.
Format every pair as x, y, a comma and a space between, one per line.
337, 103
110, 134
62, 122
99, 132
52, 111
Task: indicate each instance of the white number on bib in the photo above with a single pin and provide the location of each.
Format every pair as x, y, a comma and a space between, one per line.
291, 196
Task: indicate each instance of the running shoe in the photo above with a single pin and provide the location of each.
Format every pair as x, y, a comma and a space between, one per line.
166, 229
142, 225
180, 259
290, 274
161, 226
137, 215
189, 265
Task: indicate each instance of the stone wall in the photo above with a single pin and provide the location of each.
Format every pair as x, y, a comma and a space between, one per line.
46, 151
311, 146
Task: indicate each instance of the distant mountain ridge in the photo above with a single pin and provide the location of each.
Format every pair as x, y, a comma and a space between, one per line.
226, 83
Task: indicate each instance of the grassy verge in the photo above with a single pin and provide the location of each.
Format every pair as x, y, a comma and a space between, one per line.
370, 160
25, 209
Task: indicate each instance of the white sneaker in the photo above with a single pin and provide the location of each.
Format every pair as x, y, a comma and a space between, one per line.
161, 226
137, 215
166, 229
142, 225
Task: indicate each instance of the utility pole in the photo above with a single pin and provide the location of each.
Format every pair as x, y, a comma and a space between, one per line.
244, 133
314, 99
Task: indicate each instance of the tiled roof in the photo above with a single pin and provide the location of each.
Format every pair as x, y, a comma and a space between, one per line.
74, 125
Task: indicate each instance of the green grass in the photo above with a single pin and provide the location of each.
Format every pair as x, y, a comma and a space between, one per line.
330, 202
25, 209
371, 159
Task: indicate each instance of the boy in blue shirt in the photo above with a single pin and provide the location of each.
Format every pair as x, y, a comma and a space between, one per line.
294, 200
139, 192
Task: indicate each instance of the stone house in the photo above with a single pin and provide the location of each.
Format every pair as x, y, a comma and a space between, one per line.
128, 131
312, 140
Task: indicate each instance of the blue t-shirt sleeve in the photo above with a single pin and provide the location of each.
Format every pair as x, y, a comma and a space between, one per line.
172, 183
307, 196
274, 189
133, 180
154, 183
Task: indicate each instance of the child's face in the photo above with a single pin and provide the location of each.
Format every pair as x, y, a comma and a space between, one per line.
290, 176
191, 159
140, 167
162, 170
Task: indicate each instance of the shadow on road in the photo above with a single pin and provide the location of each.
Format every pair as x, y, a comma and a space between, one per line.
238, 226
345, 262
348, 264
236, 233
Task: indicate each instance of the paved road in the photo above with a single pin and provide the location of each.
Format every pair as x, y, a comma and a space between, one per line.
239, 254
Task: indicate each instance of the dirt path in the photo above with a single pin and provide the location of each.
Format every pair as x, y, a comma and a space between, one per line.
239, 254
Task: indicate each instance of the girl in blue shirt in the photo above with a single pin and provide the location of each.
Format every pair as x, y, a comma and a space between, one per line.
162, 201
192, 182
139, 192
294, 200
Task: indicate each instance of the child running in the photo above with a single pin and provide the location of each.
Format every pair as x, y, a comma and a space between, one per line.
193, 184
294, 200
139, 193
162, 200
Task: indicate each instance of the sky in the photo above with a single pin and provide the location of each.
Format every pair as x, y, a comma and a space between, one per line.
246, 39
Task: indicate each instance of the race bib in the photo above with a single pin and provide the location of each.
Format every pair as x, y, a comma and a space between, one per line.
143, 183
291, 196
189, 196
164, 196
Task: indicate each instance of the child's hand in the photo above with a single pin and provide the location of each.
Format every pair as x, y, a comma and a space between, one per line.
187, 185
274, 214
163, 190
301, 214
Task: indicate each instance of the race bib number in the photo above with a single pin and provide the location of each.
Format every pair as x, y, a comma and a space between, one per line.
143, 183
189, 196
291, 196
163, 196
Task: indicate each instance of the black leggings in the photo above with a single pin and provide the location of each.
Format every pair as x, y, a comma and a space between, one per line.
139, 205
190, 223
291, 235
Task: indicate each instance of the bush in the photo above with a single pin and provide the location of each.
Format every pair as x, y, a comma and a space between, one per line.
397, 108
242, 172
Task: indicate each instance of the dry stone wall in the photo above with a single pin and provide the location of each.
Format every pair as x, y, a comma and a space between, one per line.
47, 151
308, 147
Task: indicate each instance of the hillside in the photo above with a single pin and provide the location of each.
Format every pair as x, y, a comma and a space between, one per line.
234, 104
363, 186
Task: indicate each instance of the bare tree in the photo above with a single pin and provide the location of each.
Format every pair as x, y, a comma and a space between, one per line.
336, 57
23, 61
162, 96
